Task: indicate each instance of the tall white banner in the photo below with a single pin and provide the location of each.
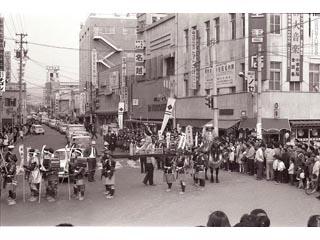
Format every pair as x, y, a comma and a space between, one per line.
120, 114
189, 136
167, 113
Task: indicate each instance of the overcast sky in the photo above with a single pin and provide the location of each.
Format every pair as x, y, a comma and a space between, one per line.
57, 23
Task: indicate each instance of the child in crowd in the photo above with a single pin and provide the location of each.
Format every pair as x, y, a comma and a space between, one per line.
291, 171
281, 168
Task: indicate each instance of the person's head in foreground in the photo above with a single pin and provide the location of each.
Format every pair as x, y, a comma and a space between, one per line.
218, 219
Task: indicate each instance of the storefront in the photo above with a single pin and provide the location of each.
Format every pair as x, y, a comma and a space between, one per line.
306, 130
273, 130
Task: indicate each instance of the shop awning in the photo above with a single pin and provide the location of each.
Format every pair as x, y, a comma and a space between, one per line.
268, 124
143, 121
198, 123
305, 123
224, 124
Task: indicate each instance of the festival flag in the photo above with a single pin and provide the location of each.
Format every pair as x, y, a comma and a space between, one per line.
168, 135
167, 113
28, 157
196, 139
21, 152
120, 114
182, 140
189, 136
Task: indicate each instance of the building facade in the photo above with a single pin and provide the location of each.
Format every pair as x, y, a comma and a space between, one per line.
103, 39
10, 102
223, 47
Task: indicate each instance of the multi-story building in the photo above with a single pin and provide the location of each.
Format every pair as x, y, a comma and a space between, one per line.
10, 102
151, 91
1, 62
223, 47
103, 41
7, 65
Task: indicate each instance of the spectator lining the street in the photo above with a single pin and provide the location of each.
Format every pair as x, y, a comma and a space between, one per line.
218, 219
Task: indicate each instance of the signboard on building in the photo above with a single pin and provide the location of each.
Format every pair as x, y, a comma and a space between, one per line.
124, 97
135, 102
140, 70
189, 136
139, 57
257, 35
108, 84
7, 65
251, 83
94, 72
225, 74
82, 103
140, 44
123, 71
2, 81
193, 74
315, 24
114, 80
295, 47
208, 76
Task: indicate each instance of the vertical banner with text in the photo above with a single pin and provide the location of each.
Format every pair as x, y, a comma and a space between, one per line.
120, 114
295, 48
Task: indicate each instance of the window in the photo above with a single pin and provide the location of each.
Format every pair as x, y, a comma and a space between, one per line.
243, 18
186, 37
154, 19
108, 30
275, 23
314, 72
170, 66
207, 25
275, 76
295, 86
233, 25
217, 28
10, 102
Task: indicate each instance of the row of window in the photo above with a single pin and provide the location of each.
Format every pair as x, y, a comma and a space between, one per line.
275, 27
10, 102
112, 30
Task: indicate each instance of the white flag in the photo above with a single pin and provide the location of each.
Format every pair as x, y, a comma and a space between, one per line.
21, 152
167, 113
182, 141
120, 114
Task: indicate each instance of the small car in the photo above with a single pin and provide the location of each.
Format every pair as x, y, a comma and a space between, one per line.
37, 129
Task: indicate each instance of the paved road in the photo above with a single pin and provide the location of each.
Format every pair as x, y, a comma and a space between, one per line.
139, 205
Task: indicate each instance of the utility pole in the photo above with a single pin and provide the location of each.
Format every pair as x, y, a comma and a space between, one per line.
21, 54
259, 88
214, 86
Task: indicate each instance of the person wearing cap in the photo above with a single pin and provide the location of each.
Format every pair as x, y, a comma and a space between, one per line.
107, 173
91, 154
10, 179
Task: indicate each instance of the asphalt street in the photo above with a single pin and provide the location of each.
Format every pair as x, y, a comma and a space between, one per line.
138, 205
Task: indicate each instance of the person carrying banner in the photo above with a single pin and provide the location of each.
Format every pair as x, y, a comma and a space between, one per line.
107, 174
168, 172
33, 170
91, 154
9, 170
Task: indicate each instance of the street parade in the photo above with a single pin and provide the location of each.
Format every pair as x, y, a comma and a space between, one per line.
160, 119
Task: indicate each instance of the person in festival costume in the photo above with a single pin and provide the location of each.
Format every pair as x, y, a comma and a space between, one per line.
168, 175
9, 170
91, 154
79, 174
200, 169
108, 173
34, 175
51, 176
214, 160
181, 172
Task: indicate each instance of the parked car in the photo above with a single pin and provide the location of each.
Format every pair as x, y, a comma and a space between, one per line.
52, 123
62, 128
73, 128
37, 129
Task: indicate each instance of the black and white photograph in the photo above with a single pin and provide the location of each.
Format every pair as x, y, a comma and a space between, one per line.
119, 117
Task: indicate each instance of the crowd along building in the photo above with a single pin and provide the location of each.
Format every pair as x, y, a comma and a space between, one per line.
184, 53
